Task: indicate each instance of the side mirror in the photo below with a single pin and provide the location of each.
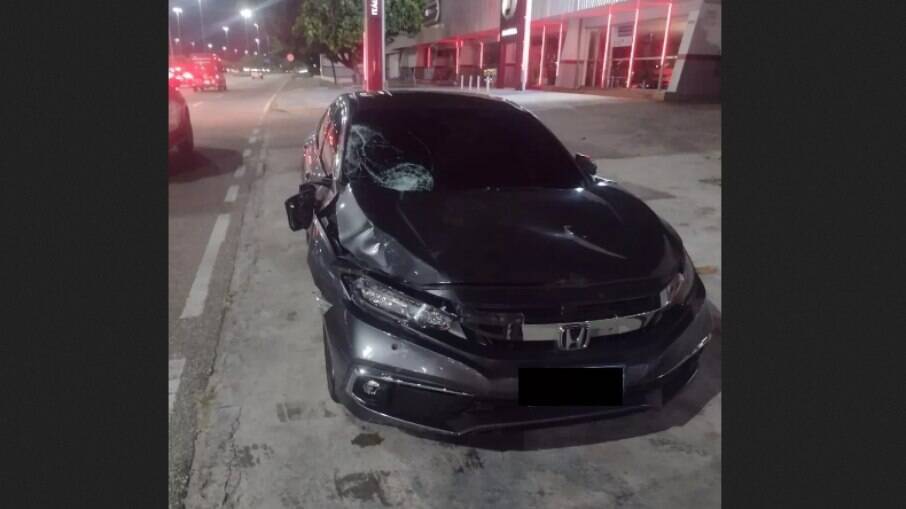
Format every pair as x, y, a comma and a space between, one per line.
300, 208
587, 166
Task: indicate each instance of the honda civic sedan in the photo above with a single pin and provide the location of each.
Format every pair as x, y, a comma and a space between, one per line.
473, 274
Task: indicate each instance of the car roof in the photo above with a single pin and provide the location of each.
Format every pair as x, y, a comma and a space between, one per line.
425, 99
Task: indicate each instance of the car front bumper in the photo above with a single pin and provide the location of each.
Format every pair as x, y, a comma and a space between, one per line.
432, 386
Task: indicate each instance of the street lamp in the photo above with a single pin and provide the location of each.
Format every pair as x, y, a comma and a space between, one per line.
178, 11
226, 34
201, 19
257, 44
210, 46
246, 15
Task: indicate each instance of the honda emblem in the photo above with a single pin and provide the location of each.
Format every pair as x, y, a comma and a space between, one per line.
573, 336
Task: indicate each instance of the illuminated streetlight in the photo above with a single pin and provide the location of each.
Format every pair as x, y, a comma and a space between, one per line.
201, 19
246, 15
210, 46
258, 44
178, 11
226, 34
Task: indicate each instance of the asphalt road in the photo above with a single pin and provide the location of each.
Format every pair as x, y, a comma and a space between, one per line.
206, 201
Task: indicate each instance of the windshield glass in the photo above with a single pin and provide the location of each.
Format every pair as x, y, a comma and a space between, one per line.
444, 150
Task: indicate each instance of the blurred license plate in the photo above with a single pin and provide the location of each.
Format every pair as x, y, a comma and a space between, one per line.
571, 386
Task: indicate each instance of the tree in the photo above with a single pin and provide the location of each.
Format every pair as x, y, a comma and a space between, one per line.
334, 27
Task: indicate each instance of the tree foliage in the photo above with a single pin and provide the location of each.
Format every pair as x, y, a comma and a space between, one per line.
334, 27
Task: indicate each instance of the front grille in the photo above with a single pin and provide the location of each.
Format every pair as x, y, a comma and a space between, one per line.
490, 327
593, 311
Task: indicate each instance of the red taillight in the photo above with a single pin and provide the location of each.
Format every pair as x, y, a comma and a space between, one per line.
187, 75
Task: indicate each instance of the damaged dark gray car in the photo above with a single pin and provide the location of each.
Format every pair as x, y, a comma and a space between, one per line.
467, 264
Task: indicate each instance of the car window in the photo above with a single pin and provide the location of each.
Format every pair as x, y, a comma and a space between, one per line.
436, 149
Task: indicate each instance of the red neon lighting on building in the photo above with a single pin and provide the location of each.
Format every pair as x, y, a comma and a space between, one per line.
541, 64
606, 50
481, 55
660, 74
559, 51
458, 46
635, 28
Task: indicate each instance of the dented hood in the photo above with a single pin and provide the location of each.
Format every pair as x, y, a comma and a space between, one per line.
506, 237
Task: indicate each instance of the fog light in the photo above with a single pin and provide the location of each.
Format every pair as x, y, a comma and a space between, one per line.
371, 387
373, 393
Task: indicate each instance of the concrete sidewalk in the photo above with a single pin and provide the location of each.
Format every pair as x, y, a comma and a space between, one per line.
271, 437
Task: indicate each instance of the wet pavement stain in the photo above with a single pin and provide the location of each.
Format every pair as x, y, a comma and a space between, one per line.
472, 462
362, 486
289, 411
245, 458
713, 181
671, 445
291, 316
367, 439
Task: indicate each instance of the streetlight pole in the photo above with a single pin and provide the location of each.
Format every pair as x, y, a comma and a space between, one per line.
258, 45
201, 18
226, 37
246, 15
178, 11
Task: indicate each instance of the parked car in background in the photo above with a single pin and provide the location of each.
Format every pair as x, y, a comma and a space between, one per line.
257, 74
208, 72
470, 270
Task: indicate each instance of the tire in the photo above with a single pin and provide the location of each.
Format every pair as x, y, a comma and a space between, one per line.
328, 368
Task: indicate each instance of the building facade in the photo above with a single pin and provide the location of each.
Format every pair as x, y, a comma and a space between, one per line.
673, 46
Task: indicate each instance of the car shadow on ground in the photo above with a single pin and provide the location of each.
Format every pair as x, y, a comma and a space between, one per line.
205, 162
679, 410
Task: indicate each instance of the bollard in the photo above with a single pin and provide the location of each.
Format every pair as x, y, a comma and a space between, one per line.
461, 81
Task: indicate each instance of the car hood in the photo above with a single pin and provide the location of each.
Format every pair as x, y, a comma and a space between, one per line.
569, 237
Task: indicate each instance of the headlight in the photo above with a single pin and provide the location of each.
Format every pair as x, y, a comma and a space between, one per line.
680, 286
370, 294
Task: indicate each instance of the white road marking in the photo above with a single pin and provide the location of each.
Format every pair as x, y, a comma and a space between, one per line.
231, 193
240, 171
271, 101
253, 140
199, 291
175, 369
247, 152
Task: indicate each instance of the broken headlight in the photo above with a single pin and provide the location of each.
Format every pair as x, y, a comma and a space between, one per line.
370, 294
680, 286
